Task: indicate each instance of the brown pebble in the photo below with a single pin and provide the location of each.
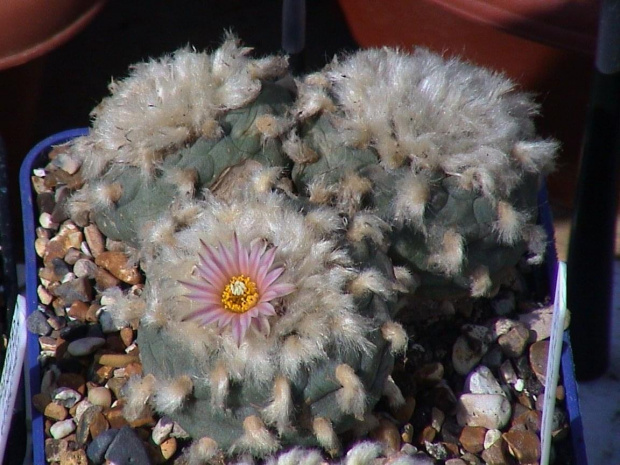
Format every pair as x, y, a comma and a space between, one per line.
496, 454
73, 457
40, 401
116, 360
78, 310
83, 425
48, 343
523, 445
407, 434
514, 342
102, 374
98, 424
115, 417
72, 256
94, 239
44, 295
56, 247
40, 246
404, 413
560, 393
54, 447
529, 420
117, 264
426, 435
55, 411
538, 359
168, 448
472, 438
127, 336
104, 279
387, 435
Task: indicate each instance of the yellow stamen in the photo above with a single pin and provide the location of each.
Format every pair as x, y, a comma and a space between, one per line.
240, 294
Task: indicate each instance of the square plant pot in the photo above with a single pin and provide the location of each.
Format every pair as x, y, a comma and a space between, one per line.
37, 158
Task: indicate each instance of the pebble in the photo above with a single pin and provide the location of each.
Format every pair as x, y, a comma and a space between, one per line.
116, 360
491, 437
85, 346
45, 297
436, 450
168, 448
539, 322
387, 434
404, 412
482, 381
117, 264
97, 448
514, 342
508, 373
437, 418
80, 408
56, 412
94, 239
538, 359
48, 344
472, 438
487, 410
100, 396
465, 355
46, 220
127, 447
162, 430
37, 323
74, 381
77, 289
455, 462
62, 428
84, 268
66, 397
407, 434
495, 454
523, 445
73, 457
72, 256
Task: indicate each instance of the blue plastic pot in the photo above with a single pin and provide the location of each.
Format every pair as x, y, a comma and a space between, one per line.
37, 158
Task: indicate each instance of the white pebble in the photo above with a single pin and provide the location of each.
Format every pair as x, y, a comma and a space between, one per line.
491, 437
482, 381
491, 411
100, 396
62, 429
162, 430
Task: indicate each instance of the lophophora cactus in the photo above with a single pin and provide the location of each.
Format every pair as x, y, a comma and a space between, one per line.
260, 328
443, 151
277, 222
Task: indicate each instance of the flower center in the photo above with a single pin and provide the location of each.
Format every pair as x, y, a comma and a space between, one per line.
240, 294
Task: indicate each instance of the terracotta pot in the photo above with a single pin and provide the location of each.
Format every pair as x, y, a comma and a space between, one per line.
30, 28
547, 47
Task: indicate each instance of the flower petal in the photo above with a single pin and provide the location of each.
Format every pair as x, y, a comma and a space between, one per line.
265, 263
237, 331
212, 261
201, 293
206, 315
269, 278
256, 251
261, 325
263, 309
278, 290
241, 254
230, 264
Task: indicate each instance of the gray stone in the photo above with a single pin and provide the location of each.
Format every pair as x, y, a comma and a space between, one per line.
98, 447
514, 342
539, 322
77, 289
85, 346
126, 447
504, 303
491, 411
37, 323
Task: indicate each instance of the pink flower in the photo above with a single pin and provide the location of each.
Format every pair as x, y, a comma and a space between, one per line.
235, 287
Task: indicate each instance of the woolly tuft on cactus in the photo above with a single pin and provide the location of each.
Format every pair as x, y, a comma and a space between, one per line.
445, 152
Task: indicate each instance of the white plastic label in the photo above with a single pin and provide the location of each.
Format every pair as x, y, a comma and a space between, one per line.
553, 362
11, 374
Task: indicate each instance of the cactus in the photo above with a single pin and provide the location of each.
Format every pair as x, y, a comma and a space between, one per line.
296, 355
443, 151
172, 128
